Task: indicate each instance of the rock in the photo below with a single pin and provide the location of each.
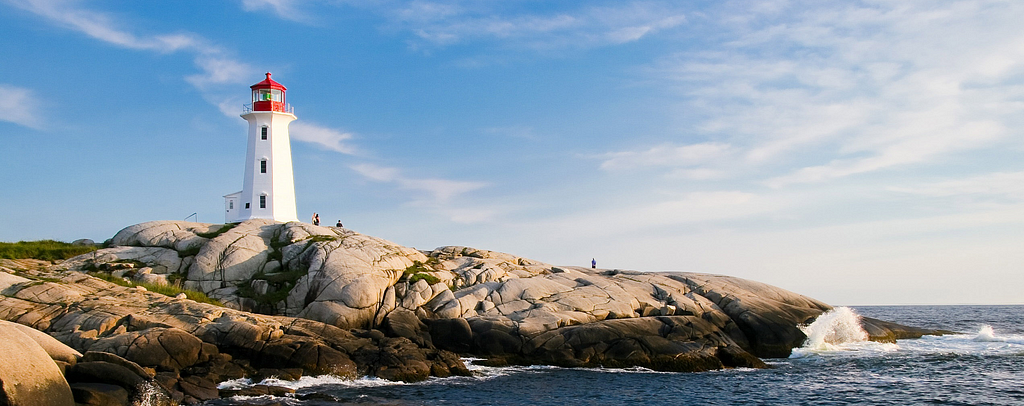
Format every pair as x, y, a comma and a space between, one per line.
199, 388
99, 394
165, 258
343, 286
451, 334
105, 372
404, 323
7, 280
287, 374
31, 377
160, 347
55, 349
117, 360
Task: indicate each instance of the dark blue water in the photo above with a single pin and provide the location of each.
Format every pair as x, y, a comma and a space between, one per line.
982, 366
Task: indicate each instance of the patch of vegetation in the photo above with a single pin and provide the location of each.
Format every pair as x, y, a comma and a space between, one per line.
431, 279
46, 250
323, 238
279, 287
223, 229
417, 271
191, 252
168, 290
175, 279
275, 244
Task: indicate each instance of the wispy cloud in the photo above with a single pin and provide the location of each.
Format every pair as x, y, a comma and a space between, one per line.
325, 137
858, 88
286, 9
102, 27
215, 64
20, 106
666, 155
688, 209
439, 192
218, 70
445, 23
1007, 185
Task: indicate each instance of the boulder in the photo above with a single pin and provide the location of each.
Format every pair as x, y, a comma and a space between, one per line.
405, 323
57, 350
28, 376
105, 372
99, 394
117, 360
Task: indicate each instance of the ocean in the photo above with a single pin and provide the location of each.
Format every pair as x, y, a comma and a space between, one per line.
983, 364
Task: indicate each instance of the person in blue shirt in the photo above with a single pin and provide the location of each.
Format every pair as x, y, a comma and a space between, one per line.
593, 263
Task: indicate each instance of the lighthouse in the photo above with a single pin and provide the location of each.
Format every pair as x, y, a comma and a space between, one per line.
268, 189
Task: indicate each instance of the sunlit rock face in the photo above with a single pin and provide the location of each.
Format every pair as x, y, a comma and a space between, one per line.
472, 301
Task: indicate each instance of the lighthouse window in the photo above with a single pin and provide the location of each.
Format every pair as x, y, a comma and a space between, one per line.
263, 202
231, 204
267, 95
263, 132
263, 166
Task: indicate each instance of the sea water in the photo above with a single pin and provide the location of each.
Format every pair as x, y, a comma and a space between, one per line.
983, 364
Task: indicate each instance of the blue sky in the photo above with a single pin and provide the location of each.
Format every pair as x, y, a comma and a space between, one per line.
862, 152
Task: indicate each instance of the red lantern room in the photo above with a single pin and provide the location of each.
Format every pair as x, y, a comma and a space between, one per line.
268, 95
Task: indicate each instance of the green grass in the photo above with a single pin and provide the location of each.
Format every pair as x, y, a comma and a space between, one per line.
47, 250
323, 238
223, 229
168, 290
431, 279
417, 270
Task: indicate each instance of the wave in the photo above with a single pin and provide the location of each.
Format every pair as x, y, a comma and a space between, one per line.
310, 381
837, 330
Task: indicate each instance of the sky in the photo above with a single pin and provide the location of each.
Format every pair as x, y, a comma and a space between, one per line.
859, 152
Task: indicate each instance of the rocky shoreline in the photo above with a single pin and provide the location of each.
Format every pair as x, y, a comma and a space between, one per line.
301, 299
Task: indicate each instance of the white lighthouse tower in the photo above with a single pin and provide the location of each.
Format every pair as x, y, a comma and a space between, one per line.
268, 190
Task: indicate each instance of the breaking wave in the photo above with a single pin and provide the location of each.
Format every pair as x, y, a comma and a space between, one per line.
837, 330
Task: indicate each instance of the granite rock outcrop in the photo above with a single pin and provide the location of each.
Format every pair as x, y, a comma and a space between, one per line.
470, 300
302, 299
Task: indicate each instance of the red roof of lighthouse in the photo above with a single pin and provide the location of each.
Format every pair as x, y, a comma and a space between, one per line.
268, 83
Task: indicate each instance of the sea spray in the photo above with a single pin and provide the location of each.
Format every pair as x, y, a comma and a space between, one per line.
837, 330
837, 326
987, 334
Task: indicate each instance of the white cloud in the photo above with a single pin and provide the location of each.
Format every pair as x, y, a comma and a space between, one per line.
328, 138
218, 69
999, 184
445, 23
688, 209
286, 9
665, 155
216, 66
440, 191
19, 106
102, 26
830, 92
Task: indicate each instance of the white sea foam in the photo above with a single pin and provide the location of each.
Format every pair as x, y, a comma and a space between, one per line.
837, 330
308, 381
988, 334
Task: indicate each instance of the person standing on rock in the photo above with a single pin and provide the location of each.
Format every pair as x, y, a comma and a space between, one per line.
316, 219
339, 224
593, 263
